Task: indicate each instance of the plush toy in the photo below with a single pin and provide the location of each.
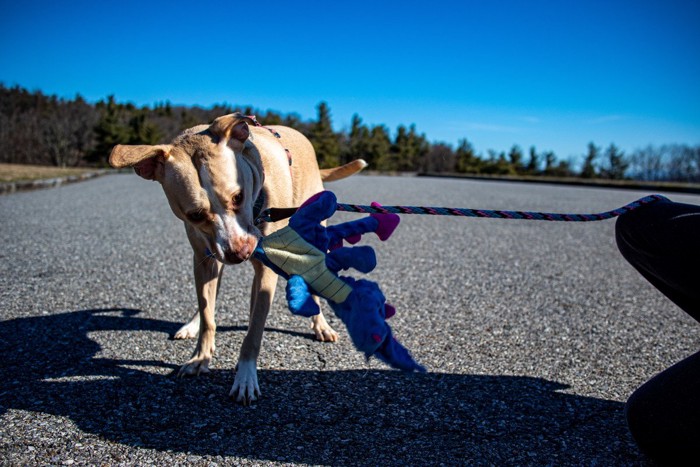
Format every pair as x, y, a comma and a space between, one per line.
310, 256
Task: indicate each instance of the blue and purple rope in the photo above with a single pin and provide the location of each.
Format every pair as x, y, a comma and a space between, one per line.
497, 214
278, 214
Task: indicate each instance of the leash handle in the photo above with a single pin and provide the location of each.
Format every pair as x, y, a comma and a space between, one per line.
277, 214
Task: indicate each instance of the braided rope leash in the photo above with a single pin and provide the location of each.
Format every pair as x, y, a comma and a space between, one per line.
276, 214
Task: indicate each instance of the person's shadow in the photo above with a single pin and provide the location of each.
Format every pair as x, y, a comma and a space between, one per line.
354, 417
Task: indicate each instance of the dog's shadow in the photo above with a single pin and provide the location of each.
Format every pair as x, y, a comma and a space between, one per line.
354, 417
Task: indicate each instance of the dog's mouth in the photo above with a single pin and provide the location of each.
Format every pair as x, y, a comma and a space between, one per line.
229, 257
234, 258
236, 252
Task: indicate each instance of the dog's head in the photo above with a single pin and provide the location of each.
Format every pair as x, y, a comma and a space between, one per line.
211, 175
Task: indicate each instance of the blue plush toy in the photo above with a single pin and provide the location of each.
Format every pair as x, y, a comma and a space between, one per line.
310, 255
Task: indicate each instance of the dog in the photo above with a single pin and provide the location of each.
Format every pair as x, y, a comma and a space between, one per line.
217, 178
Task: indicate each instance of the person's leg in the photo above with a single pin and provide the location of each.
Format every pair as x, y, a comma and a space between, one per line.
662, 241
663, 414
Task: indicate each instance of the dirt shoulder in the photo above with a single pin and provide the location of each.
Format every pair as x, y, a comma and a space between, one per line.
20, 177
22, 172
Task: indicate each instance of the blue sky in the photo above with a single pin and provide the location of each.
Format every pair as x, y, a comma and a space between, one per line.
555, 74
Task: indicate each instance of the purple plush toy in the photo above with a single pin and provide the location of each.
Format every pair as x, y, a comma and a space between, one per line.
310, 255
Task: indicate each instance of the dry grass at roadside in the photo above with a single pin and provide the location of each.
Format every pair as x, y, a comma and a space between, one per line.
21, 172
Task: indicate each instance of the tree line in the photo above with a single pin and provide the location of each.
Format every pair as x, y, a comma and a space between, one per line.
43, 129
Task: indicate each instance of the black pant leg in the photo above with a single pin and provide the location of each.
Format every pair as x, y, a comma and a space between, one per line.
662, 241
663, 414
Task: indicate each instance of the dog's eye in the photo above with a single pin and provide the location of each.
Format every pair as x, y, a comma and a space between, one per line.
196, 216
238, 198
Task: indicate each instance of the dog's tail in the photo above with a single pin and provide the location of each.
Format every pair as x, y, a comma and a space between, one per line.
338, 173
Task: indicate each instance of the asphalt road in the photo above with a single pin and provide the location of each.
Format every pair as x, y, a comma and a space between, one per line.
533, 334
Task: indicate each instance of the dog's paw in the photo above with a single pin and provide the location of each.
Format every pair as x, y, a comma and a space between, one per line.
326, 335
323, 331
195, 366
188, 331
245, 387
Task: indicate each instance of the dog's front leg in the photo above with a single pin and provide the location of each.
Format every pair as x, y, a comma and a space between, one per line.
207, 273
245, 385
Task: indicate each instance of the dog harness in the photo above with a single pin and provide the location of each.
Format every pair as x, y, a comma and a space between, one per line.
262, 198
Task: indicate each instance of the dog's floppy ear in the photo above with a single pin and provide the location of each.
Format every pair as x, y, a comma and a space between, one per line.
232, 127
147, 161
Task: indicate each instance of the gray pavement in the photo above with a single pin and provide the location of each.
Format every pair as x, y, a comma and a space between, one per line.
533, 333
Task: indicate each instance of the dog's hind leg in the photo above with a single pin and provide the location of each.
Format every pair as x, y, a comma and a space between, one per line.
207, 275
189, 330
323, 331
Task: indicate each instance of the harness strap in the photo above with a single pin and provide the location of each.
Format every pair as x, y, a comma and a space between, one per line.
275, 134
262, 198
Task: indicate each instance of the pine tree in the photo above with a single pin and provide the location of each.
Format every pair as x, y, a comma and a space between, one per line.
142, 130
358, 142
563, 169
401, 155
515, 155
497, 164
588, 170
324, 140
379, 146
533, 165
420, 147
549, 159
467, 160
111, 130
617, 163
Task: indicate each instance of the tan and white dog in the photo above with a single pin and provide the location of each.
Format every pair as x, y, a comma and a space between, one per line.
213, 176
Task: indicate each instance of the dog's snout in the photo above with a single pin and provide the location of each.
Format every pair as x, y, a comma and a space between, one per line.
232, 256
238, 255
241, 251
